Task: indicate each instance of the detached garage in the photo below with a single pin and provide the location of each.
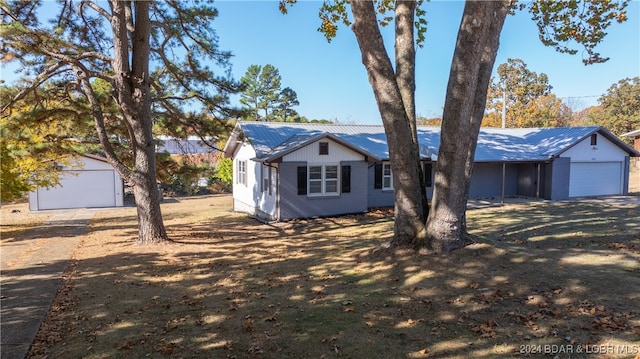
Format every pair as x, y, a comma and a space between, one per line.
94, 184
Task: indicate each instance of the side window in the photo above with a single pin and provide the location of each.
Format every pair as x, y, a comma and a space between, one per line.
387, 176
242, 172
345, 186
594, 139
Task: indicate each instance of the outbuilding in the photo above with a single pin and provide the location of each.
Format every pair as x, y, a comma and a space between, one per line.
93, 183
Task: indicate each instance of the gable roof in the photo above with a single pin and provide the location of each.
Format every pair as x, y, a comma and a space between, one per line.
272, 140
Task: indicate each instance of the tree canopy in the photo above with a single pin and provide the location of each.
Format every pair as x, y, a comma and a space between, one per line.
581, 22
160, 60
263, 92
619, 109
529, 101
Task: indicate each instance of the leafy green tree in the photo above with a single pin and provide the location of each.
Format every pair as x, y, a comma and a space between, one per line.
288, 99
224, 171
521, 88
37, 140
155, 55
619, 109
261, 90
252, 91
394, 91
394, 88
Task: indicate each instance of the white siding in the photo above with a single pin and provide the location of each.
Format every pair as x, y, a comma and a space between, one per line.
310, 153
92, 183
595, 170
268, 192
604, 151
244, 195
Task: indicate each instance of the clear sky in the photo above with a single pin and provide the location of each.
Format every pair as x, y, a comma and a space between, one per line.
331, 81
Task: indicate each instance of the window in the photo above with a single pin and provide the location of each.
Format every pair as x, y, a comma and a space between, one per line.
594, 139
324, 148
242, 172
315, 180
387, 177
323, 180
331, 179
266, 178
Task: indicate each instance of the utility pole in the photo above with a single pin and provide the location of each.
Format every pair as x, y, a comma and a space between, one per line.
504, 105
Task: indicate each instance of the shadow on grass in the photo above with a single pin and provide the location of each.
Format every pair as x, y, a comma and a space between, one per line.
563, 274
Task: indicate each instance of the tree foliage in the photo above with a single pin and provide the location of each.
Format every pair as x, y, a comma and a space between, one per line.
529, 101
469, 80
37, 141
160, 60
263, 92
619, 109
562, 24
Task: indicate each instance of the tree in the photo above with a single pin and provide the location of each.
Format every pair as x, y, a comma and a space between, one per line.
250, 96
37, 142
471, 67
262, 90
521, 88
469, 79
154, 55
287, 99
619, 109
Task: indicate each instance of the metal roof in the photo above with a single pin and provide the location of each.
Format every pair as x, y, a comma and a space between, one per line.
272, 140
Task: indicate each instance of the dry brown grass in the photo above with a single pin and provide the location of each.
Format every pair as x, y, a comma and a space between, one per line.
564, 274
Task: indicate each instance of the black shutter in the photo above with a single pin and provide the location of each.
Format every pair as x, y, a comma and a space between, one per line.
346, 179
302, 180
377, 181
426, 168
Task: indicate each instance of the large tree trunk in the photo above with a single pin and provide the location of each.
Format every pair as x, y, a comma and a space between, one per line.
132, 94
473, 60
403, 150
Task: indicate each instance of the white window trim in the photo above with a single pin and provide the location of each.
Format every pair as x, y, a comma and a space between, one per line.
323, 179
242, 172
389, 176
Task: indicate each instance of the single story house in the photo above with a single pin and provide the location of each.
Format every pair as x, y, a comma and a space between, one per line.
294, 170
93, 183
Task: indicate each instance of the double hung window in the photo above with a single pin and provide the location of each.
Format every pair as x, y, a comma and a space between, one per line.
323, 180
387, 176
241, 177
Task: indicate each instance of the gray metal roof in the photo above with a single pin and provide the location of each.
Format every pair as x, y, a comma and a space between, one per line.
272, 140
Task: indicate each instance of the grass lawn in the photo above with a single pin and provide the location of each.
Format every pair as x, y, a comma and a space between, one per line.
545, 278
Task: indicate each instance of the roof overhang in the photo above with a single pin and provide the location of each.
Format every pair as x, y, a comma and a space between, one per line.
235, 140
294, 143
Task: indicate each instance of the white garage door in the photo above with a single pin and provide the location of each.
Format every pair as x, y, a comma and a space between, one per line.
87, 189
595, 179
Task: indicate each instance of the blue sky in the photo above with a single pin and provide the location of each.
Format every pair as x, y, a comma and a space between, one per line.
331, 81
